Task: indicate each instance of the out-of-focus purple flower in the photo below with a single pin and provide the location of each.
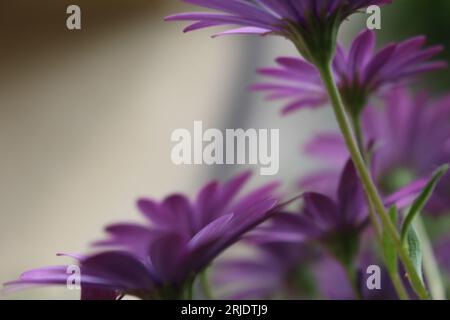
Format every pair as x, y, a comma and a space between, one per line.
412, 139
275, 270
335, 220
158, 260
295, 271
312, 25
359, 72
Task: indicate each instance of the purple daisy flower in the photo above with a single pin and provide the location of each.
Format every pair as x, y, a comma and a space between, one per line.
161, 259
412, 139
312, 25
334, 220
359, 73
285, 255
295, 271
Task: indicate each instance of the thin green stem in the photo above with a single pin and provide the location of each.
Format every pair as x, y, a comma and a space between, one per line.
205, 285
362, 148
352, 278
398, 285
189, 289
430, 266
366, 179
374, 220
395, 278
360, 137
189, 293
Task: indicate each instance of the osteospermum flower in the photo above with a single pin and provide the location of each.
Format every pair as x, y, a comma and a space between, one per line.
295, 271
160, 259
359, 72
412, 139
312, 25
335, 220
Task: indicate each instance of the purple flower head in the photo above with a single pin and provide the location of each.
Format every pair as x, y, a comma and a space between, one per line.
312, 25
360, 73
161, 258
335, 219
412, 139
295, 271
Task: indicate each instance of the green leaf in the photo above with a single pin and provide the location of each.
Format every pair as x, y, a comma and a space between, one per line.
422, 200
390, 254
415, 250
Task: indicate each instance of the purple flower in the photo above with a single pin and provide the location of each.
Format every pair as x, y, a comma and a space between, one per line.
359, 72
312, 25
334, 220
412, 139
295, 271
160, 259
272, 270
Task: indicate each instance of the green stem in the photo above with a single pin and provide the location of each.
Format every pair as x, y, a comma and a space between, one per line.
430, 266
398, 285
362, 148
205, 285
395, 278
359, 137
366, 179
189, 289
352, 278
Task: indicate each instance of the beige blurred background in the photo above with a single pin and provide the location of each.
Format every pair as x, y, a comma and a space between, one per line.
86, 118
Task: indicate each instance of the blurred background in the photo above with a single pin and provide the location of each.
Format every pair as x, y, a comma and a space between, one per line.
86, 116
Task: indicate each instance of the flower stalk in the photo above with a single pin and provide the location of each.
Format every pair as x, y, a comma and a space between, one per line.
394, 276
353, 279
366, 179
204, 282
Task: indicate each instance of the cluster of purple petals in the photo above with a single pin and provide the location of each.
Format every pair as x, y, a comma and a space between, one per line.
411, 135
295, 247
360, 73
268, 16
181, 238
311, 25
